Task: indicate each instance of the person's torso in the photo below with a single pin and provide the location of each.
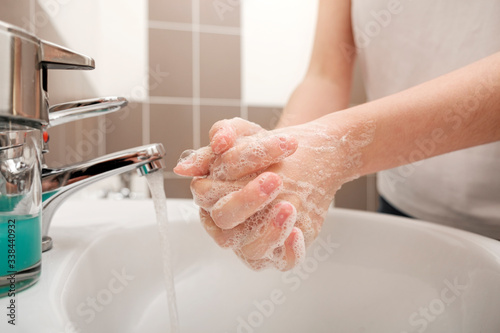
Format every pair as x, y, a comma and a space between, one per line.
404, 43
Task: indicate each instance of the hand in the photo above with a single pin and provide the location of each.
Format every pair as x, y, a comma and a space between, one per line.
249, 194
269, 218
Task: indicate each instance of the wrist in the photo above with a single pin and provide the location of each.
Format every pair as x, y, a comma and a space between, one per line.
347, 140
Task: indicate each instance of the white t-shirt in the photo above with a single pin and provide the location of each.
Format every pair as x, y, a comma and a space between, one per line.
403, 43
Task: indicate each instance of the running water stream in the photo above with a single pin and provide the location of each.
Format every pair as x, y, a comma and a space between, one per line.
155, 182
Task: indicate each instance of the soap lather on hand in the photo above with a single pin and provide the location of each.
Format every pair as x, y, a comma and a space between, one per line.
253, 193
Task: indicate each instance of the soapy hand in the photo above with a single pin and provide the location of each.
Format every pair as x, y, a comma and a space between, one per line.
265, 193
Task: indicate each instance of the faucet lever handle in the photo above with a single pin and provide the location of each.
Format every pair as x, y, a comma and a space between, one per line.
66, 112
58, 57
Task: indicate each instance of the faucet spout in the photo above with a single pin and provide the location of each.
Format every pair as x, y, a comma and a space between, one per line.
59, 184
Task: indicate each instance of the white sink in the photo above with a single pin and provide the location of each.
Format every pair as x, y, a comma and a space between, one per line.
366, 273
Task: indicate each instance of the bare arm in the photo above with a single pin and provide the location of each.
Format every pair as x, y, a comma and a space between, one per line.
327, 84
452, 112
455, 111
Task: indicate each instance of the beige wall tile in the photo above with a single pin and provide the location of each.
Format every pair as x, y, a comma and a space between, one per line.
63, 148
92, 132
220, 12
352, 195
63, 85
171, 51
16, 12
172, 125
170, 10
358, 94
76, 142
124, 128
178, 188
68, 85
266, 117
220, 66
211, 114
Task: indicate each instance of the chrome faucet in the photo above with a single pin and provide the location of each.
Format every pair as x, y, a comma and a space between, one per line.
59, 184
24, 104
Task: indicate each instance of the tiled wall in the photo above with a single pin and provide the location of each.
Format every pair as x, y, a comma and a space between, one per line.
198, 44
195, 80
68, 142
199, 49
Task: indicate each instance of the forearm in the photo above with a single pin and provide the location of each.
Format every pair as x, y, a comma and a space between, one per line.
456, 111
327, 84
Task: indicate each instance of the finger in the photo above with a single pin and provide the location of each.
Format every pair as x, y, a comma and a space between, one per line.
230, 238
224, 133
206, 191
292, 253
236, 207
279, 228
195, 163
253, 155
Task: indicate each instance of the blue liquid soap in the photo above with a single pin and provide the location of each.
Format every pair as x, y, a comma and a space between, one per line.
20, 247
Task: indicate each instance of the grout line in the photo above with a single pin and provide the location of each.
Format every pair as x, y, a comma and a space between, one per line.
194, 101
196, 73
101, 148
371, 195
146, 108
170, 100
146, 130
244, 111
196, 126
268, 105
214, 29
172, 175
205, 28
244, 106
78, 134
170, 25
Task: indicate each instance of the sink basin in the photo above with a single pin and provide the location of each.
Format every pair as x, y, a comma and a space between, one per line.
366, 273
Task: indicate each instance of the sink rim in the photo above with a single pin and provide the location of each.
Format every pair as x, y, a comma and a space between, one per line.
58, 261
